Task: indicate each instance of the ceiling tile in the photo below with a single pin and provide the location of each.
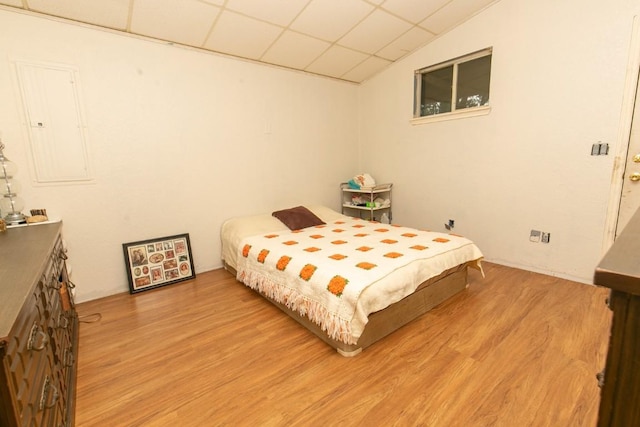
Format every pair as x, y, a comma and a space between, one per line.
320, 19
336, 61
106, 13
375, 32
16, 3
280, 12
366, 69
414, 10
186, 21
294, 50
242, 36
408, 42
452, 14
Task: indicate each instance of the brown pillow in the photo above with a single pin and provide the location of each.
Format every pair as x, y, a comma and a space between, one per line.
297, 218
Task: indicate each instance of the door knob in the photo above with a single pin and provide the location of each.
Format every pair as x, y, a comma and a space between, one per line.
636, 158
635, 176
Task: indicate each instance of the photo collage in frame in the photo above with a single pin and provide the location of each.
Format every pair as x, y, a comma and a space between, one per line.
158, 262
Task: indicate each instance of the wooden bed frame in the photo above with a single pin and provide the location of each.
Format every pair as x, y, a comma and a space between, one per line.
381, 323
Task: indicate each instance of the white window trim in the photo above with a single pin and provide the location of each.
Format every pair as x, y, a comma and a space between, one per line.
456, 114
483, 110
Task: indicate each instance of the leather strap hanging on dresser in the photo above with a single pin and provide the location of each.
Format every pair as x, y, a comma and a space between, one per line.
65, 298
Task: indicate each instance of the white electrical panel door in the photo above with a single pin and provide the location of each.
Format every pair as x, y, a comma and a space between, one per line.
52, 106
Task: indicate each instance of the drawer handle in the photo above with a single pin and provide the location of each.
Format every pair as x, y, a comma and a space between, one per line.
55, 283
63, 321
600, 378
45, 400
38, 340
69, 358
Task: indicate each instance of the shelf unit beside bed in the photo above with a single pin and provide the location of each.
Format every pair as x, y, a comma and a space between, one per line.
369, 210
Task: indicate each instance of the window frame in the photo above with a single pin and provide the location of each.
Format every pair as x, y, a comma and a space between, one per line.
454, 113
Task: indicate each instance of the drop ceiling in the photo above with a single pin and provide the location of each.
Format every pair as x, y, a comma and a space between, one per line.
350, 40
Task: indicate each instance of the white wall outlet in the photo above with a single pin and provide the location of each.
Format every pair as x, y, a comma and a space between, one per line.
546, 237
534, 236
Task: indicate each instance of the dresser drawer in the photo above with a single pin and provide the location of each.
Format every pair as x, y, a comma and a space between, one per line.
27, 352
28, 396
40, 405
24, 347
52, 277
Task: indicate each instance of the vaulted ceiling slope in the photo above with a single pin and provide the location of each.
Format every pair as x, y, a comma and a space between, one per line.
345, 39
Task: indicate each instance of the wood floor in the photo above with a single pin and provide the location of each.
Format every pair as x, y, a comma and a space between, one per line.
515, 349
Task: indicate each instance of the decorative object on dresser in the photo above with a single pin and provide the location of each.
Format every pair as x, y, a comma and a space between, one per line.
37, 215
619, 270
38, 329
10, 204
158, 262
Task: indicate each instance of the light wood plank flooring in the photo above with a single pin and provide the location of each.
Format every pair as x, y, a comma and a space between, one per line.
515, 349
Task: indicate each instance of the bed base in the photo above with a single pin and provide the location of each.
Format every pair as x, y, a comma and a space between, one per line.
381, 323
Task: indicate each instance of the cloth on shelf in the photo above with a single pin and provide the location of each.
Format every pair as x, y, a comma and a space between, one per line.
361, 180
357, 200
381, 202
353, 185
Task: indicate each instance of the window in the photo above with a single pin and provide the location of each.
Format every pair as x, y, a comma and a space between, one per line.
453, 89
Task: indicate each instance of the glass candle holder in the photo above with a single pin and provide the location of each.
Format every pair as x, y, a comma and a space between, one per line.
10, 204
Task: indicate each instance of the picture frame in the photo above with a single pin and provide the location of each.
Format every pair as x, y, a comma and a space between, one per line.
158, 262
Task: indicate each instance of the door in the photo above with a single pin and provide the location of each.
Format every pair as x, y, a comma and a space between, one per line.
624, 194
630, 198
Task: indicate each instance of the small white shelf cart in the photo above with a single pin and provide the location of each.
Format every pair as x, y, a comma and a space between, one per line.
366, 208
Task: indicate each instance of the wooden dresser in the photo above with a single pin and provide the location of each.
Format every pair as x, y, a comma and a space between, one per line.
38, 329
619, 270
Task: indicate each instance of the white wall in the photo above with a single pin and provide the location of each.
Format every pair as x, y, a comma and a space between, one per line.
180, 141
556, 88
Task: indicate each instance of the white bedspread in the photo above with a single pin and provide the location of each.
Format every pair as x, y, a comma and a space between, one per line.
340, 273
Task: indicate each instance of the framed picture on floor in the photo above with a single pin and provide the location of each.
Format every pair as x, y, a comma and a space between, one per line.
158, 262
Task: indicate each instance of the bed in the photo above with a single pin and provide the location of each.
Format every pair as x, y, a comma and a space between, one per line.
349, 281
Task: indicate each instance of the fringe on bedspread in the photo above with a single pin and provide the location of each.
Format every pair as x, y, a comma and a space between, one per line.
336, 328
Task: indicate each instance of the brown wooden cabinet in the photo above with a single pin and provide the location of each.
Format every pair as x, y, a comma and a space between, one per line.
619, 270
38, 329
